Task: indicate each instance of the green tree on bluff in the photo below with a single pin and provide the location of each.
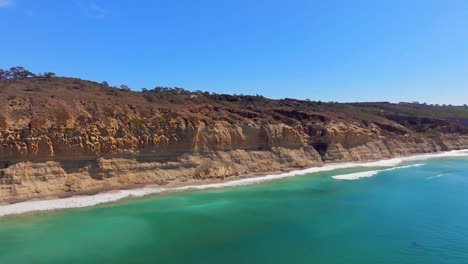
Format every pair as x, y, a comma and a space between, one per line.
15, 73
49, 75
124, 87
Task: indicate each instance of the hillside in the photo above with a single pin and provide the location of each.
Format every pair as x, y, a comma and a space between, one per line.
60, 135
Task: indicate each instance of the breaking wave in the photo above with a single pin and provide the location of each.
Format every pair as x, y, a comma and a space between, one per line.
92, 200
437, 176
365, 174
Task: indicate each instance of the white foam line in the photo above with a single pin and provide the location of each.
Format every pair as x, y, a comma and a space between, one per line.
91, 200
437, 176
365, 174
357, 175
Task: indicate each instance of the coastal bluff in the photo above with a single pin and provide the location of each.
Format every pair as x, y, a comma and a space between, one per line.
65, 135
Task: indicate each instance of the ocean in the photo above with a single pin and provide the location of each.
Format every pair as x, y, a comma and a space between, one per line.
411, 211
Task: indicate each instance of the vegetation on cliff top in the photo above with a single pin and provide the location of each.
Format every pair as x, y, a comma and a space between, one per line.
29, 100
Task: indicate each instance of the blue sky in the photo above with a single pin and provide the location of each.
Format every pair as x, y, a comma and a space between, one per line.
322, 50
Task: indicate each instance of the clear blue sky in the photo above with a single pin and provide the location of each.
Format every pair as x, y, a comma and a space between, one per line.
322, 50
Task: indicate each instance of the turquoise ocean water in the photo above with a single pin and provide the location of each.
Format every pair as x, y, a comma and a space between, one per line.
408, 215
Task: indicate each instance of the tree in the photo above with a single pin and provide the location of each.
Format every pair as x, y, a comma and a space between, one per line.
104, 83
3, 75
15, 73
465, 105
49, 75
124, 87
20, 73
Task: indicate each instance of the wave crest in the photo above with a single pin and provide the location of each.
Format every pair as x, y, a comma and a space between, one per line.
365, 174
92, 200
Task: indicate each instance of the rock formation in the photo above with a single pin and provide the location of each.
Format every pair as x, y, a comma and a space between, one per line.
64, 135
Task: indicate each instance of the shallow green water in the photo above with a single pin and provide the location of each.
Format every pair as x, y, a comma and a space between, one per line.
408, 215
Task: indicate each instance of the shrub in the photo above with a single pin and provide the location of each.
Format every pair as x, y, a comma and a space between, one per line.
3, 123
49, 75
62, 117
108, 111
37, 123
107, 121
18, 113
33, 88
125, 88
193, 119
162, 122
82, 120
137, 123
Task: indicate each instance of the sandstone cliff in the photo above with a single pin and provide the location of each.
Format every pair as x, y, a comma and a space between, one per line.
67, 135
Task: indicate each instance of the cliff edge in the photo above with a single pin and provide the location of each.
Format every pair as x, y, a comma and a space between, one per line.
60, 135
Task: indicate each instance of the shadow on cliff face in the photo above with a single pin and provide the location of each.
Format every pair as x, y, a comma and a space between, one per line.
4, 164
162, 154
75, 166
321, 148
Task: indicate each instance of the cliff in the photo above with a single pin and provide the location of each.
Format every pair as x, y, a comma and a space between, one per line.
66, 135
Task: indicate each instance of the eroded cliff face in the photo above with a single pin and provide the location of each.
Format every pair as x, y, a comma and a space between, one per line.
54, 162
68, 140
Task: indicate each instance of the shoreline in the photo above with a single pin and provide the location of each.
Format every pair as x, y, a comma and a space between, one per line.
107, 195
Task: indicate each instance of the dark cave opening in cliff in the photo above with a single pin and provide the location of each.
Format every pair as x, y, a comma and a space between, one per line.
321, 148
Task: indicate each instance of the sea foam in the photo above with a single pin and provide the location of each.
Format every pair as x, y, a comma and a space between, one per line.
92, 200
365, 174
437, 176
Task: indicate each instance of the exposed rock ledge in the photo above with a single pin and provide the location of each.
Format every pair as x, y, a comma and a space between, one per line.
65, 135
75, 174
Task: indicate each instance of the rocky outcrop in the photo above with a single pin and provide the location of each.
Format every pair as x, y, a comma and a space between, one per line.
75, 136
44, 163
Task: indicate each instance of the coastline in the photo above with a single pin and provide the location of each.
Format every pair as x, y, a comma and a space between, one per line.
96, 197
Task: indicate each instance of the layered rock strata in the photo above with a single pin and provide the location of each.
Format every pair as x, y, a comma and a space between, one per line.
71, 161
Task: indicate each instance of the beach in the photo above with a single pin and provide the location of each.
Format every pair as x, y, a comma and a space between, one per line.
79, 201
406, 212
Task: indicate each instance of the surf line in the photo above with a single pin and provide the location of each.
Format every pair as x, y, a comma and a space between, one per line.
92, 200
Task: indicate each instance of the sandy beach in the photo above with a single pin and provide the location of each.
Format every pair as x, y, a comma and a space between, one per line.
95, 197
